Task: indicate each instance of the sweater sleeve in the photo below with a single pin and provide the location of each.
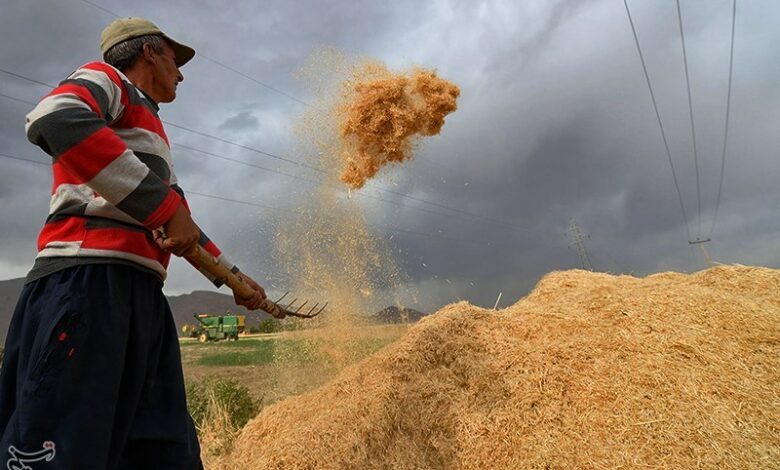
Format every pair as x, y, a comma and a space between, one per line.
206, 243
71, 125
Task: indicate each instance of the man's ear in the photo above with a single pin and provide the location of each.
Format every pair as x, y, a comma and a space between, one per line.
148, 53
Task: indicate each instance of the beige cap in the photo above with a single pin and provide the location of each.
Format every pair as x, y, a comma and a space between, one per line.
122, 29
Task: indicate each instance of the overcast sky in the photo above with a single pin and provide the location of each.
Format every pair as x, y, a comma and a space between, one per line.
554, 123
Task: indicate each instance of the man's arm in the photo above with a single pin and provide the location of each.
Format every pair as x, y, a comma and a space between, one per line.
71, 125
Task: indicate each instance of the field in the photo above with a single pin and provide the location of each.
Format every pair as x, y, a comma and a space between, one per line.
276, 365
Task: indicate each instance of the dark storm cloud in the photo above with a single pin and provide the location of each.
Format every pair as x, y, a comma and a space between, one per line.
582, 142
554, 123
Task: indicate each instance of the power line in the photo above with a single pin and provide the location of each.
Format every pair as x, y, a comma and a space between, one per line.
728, 111
660, 123
248, 77
106, 10
17, 99
443, 237
245, 147
693, 128
379, 226
314, 182
238, 201
27, 78
21, 159
241, 162
320, 170
289, 211
290, 175
371, 186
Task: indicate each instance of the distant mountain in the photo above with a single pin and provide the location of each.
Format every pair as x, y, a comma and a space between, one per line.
9, 294
183, 306
395, 314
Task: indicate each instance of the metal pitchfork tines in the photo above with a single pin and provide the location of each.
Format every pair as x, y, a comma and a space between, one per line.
299, 312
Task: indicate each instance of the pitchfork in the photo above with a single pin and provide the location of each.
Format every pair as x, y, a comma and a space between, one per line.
207, 261
288, 309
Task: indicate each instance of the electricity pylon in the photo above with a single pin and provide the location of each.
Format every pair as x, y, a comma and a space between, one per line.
577, 240
704, 253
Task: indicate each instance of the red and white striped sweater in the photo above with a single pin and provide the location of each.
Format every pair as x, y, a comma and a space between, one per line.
113, 176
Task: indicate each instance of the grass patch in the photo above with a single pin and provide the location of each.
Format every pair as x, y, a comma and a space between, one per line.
259, 352
249, 353
248, 343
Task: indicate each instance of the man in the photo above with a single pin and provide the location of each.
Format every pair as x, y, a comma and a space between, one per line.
92, 374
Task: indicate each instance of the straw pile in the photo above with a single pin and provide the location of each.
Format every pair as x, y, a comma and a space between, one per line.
588, 371
384, 112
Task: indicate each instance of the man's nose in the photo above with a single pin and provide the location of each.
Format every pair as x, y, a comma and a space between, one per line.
179, 76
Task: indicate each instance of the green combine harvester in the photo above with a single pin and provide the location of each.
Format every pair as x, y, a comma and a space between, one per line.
219, 327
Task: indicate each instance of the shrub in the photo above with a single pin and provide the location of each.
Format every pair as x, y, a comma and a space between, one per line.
205, 398
220, 408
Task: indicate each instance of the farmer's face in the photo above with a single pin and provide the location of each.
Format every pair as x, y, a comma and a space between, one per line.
166, 75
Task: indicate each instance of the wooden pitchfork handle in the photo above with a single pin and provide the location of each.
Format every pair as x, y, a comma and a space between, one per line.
209, 262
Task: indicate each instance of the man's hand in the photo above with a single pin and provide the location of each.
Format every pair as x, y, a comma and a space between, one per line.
180, 233
254, 302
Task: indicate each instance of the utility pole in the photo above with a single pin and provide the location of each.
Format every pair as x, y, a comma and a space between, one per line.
577, 240
704, 253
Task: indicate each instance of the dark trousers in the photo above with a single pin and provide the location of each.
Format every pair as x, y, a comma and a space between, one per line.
92, 378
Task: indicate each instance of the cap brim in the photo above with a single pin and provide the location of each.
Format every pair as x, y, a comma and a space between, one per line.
183, 53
